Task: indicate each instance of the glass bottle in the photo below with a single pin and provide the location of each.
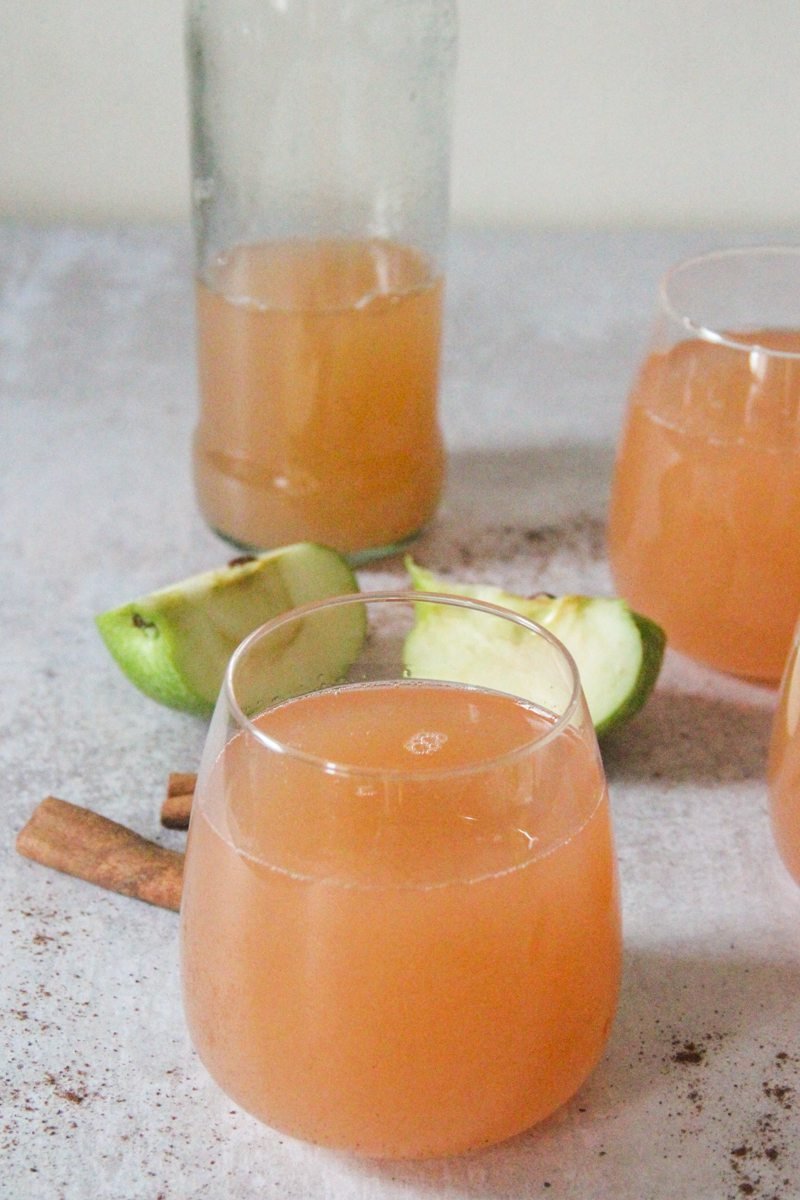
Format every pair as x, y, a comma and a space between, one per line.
320, 160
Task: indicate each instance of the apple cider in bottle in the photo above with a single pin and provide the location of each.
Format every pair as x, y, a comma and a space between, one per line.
320, 161
319, 365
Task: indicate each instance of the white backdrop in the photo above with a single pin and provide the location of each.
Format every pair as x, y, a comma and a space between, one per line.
569, 112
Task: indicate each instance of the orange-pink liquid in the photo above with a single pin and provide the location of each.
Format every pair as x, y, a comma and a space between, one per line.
784, 768
319, 367
704, 525
406, 966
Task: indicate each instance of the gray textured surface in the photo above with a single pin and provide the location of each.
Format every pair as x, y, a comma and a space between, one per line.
100, 1094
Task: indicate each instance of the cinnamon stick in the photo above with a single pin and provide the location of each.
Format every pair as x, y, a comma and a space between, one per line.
178, 801
83, 843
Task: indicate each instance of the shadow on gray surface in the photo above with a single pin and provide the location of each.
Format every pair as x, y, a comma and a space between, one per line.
530, 483
681, 737
519, 489
535, 509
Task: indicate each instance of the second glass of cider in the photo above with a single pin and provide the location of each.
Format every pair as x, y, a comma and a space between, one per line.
320, 155
704, 529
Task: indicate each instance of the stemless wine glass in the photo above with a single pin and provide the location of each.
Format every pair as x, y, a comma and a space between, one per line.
400, 923
784, 765
704, 523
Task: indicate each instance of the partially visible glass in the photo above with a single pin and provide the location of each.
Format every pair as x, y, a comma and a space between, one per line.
320, 157
400, 921
704, 523
784, 765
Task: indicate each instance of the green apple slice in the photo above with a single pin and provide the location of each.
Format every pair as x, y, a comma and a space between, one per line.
175, 643
618, 652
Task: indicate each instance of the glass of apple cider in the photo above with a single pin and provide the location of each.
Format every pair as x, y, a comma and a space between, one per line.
320, 161
400, 926
784, 765
704, 523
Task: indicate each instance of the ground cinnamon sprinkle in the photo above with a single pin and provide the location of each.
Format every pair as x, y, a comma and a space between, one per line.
756, 1155
689, 1053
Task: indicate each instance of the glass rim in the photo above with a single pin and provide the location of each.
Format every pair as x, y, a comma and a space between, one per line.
340, 768
706, 332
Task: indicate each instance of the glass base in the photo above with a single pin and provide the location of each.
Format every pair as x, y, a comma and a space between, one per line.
354, 558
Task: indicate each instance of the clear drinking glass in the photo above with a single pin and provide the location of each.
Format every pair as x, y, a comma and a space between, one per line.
704, 524
784, 765
320, 157
400, 920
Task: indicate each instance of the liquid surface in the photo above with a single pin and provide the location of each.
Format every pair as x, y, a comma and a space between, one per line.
704, 523
407, 967
319, 370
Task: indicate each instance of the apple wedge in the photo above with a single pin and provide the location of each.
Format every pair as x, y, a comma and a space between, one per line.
175, 643
618, 652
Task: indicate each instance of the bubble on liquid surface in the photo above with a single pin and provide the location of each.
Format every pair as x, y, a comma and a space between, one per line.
427, 741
